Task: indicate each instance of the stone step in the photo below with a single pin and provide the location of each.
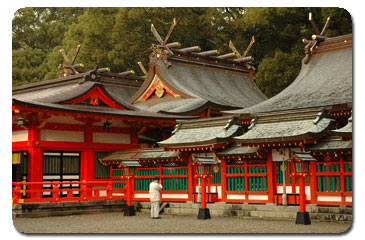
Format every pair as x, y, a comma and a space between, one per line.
64, 212
66, 208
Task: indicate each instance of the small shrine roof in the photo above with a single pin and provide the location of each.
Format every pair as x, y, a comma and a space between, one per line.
331, 143
203, 132
345, 131
140, 154
271, 129
325, 81
304, 156
237, 150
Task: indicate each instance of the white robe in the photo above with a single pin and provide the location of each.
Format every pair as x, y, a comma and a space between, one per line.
155, 189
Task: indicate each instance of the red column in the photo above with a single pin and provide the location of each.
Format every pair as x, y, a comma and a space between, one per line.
270, 178
302, 193
313, 181
342, 180
129, 189
35, 163
190, 178
87, 165
204, 190
224, 180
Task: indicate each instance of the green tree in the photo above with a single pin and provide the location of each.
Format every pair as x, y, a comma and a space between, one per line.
35, 32
120, 37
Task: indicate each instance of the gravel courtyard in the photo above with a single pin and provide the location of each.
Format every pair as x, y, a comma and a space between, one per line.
117, 223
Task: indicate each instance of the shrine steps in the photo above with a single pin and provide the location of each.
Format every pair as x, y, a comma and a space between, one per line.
267, 211
34, 210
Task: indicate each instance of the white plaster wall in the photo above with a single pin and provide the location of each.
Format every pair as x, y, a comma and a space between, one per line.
18, 136
118, 138
64, 136
280, 189
258, 197
179, 196
329, 198
141, 195
236, 196
348, 198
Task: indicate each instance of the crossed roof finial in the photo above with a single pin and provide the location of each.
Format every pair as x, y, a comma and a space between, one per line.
316, 38
70, 69
159, 39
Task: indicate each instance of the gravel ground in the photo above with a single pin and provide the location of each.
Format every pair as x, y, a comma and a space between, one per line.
117, 223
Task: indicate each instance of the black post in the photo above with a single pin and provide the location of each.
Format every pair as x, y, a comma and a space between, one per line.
303, 218
129, 211
204, 213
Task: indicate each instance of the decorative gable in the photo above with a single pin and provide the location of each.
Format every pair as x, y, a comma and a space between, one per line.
158, 88
96, 97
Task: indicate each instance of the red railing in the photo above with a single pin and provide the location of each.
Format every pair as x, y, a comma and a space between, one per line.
27, 192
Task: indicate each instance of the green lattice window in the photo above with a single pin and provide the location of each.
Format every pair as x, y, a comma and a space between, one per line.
348, 179
175, 183
279, 172
216, 175
118, 173
101, 171
144, 178
328, 180
254, 179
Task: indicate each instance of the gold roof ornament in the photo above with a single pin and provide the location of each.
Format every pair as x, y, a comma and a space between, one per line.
316, 38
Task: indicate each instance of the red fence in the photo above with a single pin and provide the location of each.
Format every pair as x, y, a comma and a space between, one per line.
26, 192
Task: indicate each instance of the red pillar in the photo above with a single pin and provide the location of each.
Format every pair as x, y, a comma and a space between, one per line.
224, 180
35, 163
270, 178
302, 193
313, 182
87, 165
342, 180
129, 190
204, 190
190, 178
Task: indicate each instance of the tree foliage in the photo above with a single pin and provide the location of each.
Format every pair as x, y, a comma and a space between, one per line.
120, 37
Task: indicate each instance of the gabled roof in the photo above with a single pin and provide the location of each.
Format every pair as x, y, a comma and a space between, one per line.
274, 129
325, 81
330, 144
203, 132
80, 94
122, 86
139, 155
198, 83
345, 131
237, 150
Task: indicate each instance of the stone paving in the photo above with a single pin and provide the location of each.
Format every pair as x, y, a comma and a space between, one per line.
142, 223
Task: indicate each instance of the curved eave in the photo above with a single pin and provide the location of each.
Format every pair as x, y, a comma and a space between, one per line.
94, 111
307, 137
324, 82
197, 110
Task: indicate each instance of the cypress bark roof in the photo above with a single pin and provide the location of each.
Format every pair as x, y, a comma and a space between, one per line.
325, 81
140, 154
345, 131
203, 132
237, 150
122, 86
54, 94
272, 129
332, 143
200, 84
